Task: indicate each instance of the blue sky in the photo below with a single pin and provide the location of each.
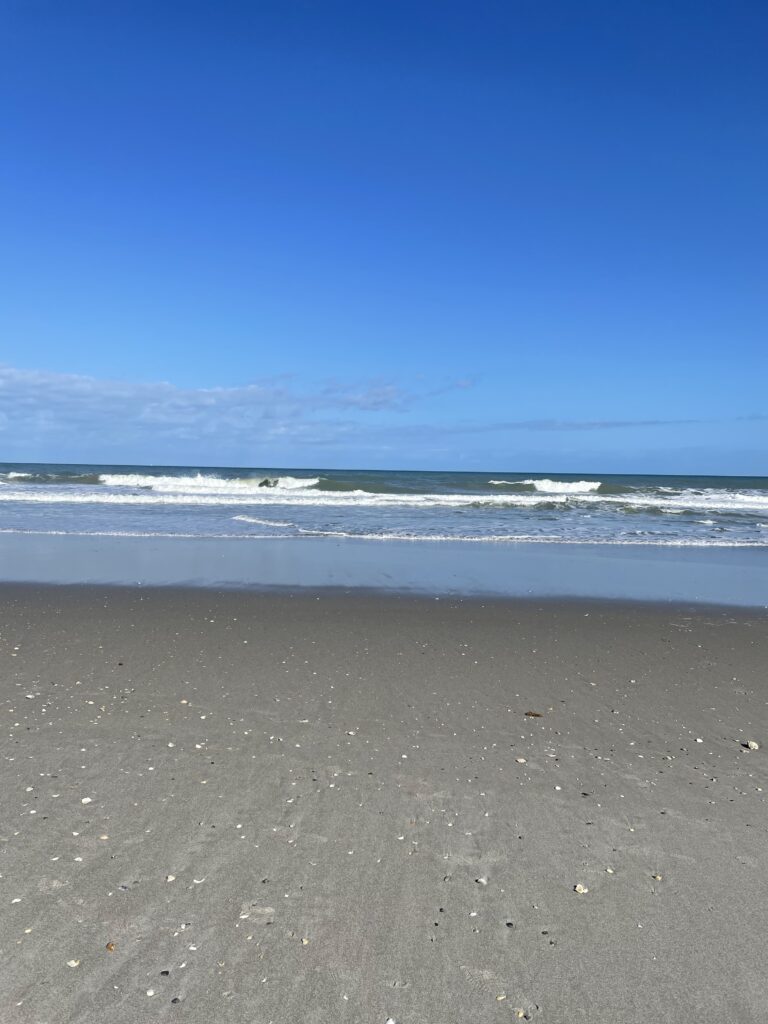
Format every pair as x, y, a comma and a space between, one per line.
450, 235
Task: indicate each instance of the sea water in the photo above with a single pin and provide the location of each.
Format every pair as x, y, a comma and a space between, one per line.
491, 507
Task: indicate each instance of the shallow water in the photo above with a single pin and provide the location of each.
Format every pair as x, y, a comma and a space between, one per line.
688, 575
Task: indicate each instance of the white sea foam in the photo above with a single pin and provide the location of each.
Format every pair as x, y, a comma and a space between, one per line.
269, 496
535, 538
243, 493
547, 486
713, 500
207, 484
516, 538
261, 522
564, 486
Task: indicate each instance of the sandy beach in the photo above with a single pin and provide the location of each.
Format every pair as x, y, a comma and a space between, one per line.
237, 806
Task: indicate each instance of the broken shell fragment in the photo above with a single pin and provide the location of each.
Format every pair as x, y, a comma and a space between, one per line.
580, 889
752, 745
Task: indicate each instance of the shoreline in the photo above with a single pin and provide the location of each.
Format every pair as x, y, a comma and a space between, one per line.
12, 589
735, 576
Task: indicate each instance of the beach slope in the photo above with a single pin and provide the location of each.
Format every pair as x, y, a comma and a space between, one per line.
320, 807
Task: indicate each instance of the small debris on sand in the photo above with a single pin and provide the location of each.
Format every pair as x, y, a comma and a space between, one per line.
533, 714
630, 787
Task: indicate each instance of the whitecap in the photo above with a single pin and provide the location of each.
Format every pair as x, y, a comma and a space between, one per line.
564, 486
201, 482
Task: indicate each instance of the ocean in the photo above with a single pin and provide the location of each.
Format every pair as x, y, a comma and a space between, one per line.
491, 507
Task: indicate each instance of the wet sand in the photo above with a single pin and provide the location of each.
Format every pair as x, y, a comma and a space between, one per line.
735, 576
318, 807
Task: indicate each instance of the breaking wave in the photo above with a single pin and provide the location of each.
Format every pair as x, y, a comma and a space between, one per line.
192, 501
553, 486
202, 483
303, 492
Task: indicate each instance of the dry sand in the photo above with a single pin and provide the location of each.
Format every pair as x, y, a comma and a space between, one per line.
244, 807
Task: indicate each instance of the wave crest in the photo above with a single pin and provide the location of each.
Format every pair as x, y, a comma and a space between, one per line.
200, 483
547, 486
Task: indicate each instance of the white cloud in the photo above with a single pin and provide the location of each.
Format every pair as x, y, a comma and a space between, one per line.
48, 416
53, 412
